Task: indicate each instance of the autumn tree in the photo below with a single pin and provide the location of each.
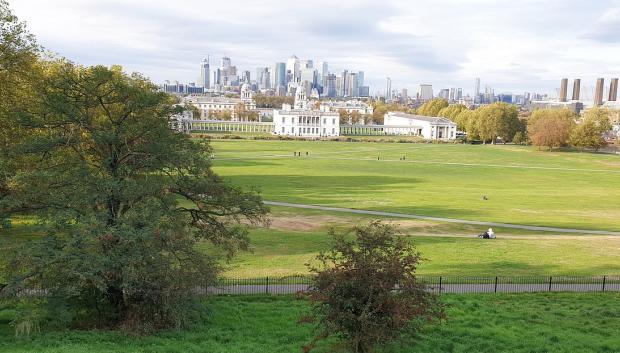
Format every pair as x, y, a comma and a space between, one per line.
345, 117
550, 128
432, 107
365, 289
452, 111
589, 133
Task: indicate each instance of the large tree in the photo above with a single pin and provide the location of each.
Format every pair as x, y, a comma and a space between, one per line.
550, 128
497, 120
125, 201
589, 133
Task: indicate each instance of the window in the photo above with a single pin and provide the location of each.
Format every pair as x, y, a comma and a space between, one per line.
283, 120
323, 131
324, 121
333, 131
282, 129
293, 130
293, 120
333, 121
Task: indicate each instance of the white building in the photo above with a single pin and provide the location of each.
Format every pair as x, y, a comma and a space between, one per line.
301, 120
428, 127
349, 106
213, 105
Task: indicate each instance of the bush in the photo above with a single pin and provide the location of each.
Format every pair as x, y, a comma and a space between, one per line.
366, 291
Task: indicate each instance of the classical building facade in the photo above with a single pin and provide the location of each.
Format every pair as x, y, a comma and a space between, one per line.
208, 106
303, 121
428, 127
349, 106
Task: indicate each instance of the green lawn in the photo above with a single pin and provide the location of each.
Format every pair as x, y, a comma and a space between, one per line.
549, 322
523, 185
279, 253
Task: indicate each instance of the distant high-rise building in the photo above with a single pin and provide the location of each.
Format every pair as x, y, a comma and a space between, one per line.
225, 62
613, 90
563, 89
459, 94
205, 74
329, 86
388, 89
353, 85
403, 96
364, 91
576, 89
443, 93
360, 78
292, 68
477, 90
279, 75
426, 92
245, 77
598, 93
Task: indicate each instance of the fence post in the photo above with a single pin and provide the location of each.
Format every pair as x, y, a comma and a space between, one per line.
439, 284
550, 278
267, 285
604, 278
495, 284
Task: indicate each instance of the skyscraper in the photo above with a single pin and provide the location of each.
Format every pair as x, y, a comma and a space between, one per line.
598, 93
279, 75
576, 89
563, 89
477, 90
388, 89
613, 90
292, 67
426, 92
205, 74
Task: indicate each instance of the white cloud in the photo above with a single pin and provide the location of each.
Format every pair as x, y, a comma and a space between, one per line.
511, 45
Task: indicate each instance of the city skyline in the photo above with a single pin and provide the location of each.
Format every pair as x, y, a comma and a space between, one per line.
425, 43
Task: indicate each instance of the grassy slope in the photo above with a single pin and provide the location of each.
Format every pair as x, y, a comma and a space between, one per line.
283, 253
349, 175
476, 323
284, 249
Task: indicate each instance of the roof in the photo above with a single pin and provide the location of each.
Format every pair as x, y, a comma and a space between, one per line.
432, 119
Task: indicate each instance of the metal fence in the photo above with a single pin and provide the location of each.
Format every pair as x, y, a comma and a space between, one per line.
436, 284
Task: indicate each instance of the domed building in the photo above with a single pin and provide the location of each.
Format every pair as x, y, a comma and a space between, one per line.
304, 121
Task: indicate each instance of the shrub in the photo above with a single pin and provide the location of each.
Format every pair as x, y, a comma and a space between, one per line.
365, 290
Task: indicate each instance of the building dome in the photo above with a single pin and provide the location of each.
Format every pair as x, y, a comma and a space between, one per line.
246, 91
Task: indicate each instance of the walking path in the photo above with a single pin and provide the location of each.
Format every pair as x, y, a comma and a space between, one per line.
441, 219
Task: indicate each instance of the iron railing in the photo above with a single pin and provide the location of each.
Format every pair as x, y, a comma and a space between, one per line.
436, 284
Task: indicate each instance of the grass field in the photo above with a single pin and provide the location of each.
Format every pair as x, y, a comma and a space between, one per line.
550, 322
523, 185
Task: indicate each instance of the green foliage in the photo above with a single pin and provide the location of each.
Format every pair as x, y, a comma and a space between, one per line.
589, 134
452, 111
123, 199
497, 120
433, 107
482, 323
365, 290
19, 54
520, 138
550, 128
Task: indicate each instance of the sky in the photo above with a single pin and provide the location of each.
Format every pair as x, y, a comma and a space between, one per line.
513, 46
